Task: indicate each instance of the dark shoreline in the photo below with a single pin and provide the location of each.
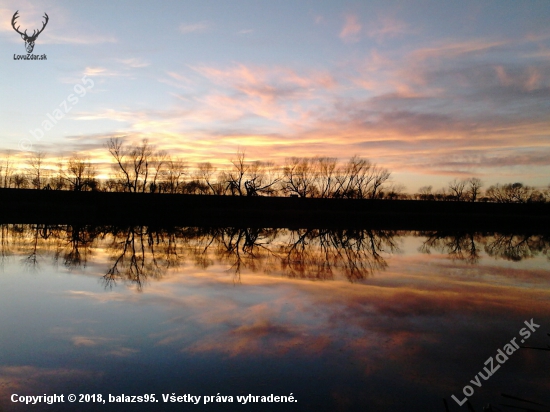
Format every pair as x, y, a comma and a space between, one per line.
65, 207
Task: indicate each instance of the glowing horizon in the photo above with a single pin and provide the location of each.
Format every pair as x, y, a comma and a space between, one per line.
427, 90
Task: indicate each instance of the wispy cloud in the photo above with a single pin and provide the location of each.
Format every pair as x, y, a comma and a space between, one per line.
351, 30
90, 340
421, 116
134, 63
451, 48
101, 71
387, 28
199, 27
275, 93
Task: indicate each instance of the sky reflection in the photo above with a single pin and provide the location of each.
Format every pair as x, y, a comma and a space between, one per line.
400, 339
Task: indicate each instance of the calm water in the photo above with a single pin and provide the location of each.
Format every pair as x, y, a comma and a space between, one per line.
343, 321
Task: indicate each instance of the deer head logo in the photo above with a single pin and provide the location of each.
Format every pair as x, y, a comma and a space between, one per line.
29, 40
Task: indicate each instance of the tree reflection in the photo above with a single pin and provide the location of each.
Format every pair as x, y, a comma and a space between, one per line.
36, 236
76, 245
459, 246
466, 246
302, 253
244, 247
316, 254
135, 254
139, 253
516, 247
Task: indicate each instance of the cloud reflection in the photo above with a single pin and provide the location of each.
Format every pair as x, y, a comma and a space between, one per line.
436, 311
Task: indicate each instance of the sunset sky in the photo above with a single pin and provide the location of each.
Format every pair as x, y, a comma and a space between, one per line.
431, 90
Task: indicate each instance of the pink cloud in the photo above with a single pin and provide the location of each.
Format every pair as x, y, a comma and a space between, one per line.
351, 30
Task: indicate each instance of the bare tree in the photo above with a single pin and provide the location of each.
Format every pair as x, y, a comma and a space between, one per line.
474, 188
158, 163
205, 173
510, 193
246, 178
395, 191
172, 178
263, 178
299, 177
379, 177
457, 189
7, 170
132, 163
359, 179
443, 195
425, 193
236, 176
140, 157
195, 187
20, 181
36, 169
537, 196
353, 178
119, 153
59, 181
114, 184
80, 174
325, 175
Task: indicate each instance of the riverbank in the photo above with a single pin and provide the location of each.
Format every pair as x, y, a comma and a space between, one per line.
50, 206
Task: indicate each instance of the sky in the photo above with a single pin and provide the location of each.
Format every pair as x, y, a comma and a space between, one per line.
430, 90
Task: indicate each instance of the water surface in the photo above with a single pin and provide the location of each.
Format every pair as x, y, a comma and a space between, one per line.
342, 320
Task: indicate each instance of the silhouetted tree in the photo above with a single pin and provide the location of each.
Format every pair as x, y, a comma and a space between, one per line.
473, 189
80, 174
395, 192
425, 193
7, 170
325, 176
509, 193
235, 178
20, 181
262, 178
353, 179
36, 169
132, 163
158, 163
457, 189
172, 177
359, 179
205, 175
299, 177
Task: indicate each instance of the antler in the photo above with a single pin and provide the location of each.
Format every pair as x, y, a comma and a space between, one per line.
43, 25
34, 33
15, 16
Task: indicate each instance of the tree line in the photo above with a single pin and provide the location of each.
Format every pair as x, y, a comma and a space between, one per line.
471, 190
144, 169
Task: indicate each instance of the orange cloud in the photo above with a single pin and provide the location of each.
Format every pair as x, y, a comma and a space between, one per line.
413, 112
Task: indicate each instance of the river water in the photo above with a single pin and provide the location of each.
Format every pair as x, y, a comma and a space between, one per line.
331, 320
